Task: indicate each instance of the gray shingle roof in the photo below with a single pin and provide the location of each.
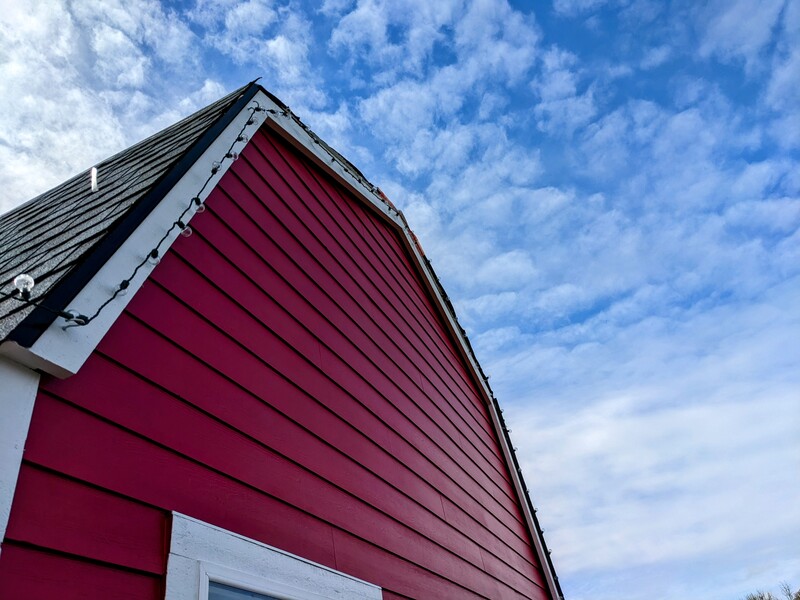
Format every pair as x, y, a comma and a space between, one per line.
55, 236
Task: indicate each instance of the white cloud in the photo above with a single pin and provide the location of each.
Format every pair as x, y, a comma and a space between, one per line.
633, 440
335, 7
490, 45
575, 7
562, 107
398, 37
145, 24
288, 50
52, 124
508, 270
239, 19
782, 95
494, 339
272, 38
494, 38
121, 63
638, 13
364, 27
738, 30
655, 57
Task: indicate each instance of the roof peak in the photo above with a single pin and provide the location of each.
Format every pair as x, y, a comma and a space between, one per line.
64, 235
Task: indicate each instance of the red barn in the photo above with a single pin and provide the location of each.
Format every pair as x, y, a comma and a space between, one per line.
242, 379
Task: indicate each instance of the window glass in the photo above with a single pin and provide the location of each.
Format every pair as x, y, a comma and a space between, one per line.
220, 591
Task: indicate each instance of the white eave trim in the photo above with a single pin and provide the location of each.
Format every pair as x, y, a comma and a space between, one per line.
62, 352
287, 125
18, 388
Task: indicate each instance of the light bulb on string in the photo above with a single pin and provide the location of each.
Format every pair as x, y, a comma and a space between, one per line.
24, 284
186, 231
74, 316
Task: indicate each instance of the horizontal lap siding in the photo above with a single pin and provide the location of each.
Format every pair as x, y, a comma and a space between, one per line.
27, 573
444, 416
327, 224
66, 539
282, 374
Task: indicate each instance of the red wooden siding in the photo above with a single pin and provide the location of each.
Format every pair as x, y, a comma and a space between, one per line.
283, 374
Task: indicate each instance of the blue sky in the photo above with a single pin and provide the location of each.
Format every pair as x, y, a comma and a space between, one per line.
609, 190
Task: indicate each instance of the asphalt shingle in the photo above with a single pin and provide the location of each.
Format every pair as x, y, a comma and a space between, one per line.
50, 236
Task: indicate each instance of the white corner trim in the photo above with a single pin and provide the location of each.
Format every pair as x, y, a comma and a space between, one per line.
18, 387
62, 352
200, 552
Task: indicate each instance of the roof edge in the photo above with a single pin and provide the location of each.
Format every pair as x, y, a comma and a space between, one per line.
33, 326
61, 348
311, 145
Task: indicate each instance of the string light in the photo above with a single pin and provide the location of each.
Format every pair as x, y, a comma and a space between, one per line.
123, 287
335, 157
75, 317
24, 283
186, 231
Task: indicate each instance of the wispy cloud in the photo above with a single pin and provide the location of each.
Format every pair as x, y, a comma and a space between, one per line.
615, 213
683, 447
739, 30
562, 107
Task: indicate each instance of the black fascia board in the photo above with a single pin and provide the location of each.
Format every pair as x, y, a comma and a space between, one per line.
36, 323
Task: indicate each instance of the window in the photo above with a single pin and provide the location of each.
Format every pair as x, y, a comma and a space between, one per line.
220, 591
210, 563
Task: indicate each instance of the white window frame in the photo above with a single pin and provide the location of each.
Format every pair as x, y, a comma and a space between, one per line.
201, 553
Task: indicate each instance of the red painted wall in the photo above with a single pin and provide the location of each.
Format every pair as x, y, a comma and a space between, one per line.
284, 375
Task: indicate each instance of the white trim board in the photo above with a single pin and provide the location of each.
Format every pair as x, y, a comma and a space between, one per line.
201, 552
62, 352
18, 388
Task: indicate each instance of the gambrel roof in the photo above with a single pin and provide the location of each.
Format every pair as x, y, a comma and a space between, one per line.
66, 237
